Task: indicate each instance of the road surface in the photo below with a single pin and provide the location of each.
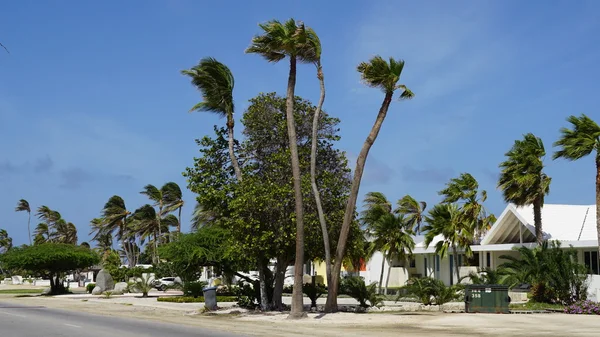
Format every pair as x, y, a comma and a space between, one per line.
30, 321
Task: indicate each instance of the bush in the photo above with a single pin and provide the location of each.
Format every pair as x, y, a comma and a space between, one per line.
178, 299
314, 291
356, 288
90, 287
431, 291
583, 308
246, 296
194, 289
227, 291
288, 289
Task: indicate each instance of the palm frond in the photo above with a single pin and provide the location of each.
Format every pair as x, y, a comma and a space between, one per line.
23, 206
580, 140
215, 82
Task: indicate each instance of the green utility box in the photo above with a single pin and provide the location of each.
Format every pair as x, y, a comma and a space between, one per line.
487, 298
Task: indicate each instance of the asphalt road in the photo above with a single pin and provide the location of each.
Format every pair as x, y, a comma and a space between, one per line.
29, 321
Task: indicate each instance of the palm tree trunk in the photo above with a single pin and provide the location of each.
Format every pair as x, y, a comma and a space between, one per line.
331, 305
537, 219
155, 248
29, 226
160, 211
297, 310
382, 270
313, 175
234, 162
598, 197
456, 267
179, 221
387, 279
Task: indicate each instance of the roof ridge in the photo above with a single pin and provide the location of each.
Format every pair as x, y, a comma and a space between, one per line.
583, 223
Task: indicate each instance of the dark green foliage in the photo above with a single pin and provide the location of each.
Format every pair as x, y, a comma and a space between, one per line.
485, 276
90, 287
51, 260
200, 299
554, 273
247, 296
356, 288
430, 291
194, 289
314, 291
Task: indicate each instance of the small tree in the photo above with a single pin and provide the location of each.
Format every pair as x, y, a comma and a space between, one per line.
141, 284
50, 260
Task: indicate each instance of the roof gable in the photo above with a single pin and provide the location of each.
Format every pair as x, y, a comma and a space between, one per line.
510, 227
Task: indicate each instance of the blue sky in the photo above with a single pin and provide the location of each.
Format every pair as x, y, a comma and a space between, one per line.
92, 103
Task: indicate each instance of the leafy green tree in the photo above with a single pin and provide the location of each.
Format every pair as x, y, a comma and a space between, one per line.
522, 179
377, 73
448, 221
259, 211
580, 141
215, 81
294, 41
23, 206
50, 260
5, 241
413, 210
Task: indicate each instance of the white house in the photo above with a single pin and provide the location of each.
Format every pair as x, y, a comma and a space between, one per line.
572, 225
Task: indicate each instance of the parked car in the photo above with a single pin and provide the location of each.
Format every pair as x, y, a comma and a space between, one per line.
164, 283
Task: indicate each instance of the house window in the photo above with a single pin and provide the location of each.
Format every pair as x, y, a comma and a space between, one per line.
425, 265
489, 259
437, 263
460, 260
591, 261
413, 263
473, 261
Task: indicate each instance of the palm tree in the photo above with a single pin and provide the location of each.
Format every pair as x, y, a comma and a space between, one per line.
202, 217
66, 232
215, 82
295, 41
579, 142
393, 238
413, 210
448, 221
377, 73
485, 276
173, 201
5, 241
157, 196
41, 233
464, 191
522, 179
146, 224
23, 206
115, 217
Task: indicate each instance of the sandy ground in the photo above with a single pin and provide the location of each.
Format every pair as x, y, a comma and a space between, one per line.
346, 324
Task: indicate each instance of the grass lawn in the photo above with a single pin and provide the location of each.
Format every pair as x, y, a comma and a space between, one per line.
20, 291
535, 306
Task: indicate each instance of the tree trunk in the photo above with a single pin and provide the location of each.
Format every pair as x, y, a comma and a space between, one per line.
456, 267
179, 221
331, 305
382, 270
234, 162
52, 285
280, 269
598, 197
154, 259
264, 297
313, 175
29, 227
387, 279
297, 296
537, 219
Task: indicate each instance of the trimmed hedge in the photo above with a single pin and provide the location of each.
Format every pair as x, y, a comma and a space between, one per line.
183, 299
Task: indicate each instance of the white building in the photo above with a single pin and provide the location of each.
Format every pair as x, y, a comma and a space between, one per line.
573, 225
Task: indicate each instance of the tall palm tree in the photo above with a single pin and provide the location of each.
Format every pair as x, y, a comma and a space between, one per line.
294, 41
393, 238
522, 179
5, 241
578, 142
41, 233
377, 73
413, 210
202, 217
215, 82
157, 196
146, 223
172, 198
23, 206
65, 232
115, 217
447, 220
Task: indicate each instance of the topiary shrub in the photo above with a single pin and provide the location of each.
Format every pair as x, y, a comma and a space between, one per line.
90, 287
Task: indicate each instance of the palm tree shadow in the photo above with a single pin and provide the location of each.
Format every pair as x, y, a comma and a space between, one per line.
321, 315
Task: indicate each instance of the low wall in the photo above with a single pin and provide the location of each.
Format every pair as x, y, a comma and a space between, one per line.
517, 296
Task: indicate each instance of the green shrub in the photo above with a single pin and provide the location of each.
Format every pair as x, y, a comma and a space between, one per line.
430, 291
194, 289
90, 287
246, 296
356, 288
179, 299
227, 290
314, 291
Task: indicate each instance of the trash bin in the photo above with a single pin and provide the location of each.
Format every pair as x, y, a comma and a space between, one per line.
487, 298
210, 297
